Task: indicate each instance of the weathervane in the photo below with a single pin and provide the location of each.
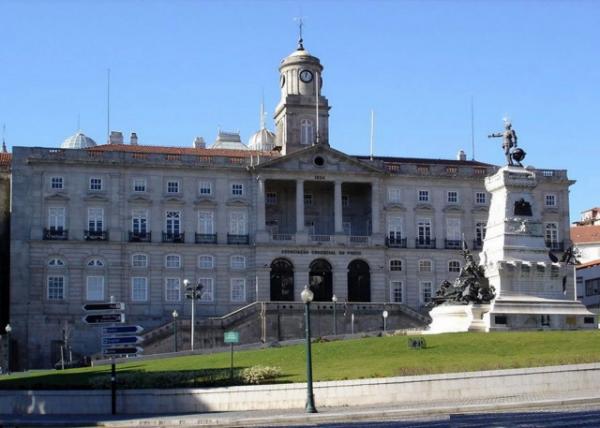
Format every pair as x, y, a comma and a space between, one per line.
300, 21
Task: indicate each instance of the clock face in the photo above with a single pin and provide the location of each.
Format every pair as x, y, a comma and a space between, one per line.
306, 76
282, 80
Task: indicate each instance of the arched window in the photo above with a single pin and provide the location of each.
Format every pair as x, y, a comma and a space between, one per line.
206, 261
306, 132
237, 262
282, 280
425, 265
139, 260
173, 261
395, 265
95, 263
56, 262
453, 266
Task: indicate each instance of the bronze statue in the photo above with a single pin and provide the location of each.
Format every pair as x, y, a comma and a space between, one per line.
509, 141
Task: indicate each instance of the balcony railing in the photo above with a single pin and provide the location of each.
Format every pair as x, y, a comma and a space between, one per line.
555, 245
395, 242
424, 243
238, 239
95, 235
358, 239
177, 238
477, 244
140, 236
282, 237
206, 238
452, 244
56, 234
320, 238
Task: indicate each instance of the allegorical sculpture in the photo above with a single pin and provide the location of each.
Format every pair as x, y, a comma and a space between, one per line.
509, 144
471, 285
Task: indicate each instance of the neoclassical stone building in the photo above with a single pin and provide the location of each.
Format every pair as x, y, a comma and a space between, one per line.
250, 223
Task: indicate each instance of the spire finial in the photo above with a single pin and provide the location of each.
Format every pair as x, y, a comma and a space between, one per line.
300, 21
262, 111
4, 142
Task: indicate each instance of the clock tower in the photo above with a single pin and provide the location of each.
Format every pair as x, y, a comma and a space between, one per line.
302, 115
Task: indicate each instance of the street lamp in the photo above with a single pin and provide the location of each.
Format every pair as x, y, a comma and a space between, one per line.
175, 314
334, 299
194, 293
307, 297
385, 315
8, 330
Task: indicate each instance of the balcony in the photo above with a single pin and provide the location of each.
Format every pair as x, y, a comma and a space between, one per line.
205, 238
140, 236
238, 239
452, 244
555, 245
59, 234
286, 237
395, 242
95, 235
320, 238
176, 238
358, 239
477, 244
424, 243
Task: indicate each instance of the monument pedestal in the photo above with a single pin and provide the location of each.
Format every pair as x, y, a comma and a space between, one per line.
449, 318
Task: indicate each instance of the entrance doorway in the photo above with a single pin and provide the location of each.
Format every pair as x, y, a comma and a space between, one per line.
320, 280
359, 281
282, 280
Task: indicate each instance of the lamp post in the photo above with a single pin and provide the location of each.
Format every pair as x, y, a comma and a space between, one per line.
194, 293
307, 297
385, 315
8, 330
334, 299
175, 314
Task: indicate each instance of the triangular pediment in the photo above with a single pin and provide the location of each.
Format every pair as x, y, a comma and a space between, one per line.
319, 159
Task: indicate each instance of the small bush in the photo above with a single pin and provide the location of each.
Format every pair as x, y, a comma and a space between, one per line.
258, 374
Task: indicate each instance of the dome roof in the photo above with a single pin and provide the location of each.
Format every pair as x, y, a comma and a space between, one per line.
262, 140
78, 141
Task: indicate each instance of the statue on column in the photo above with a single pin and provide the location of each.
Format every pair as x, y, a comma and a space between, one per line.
509, 144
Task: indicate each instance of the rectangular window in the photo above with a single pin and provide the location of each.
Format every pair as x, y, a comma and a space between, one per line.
480, 228
173, 186
95, 288
592, 287
480, 198
395, 228
139, 289
237, 223
173, 222
425, 266
139, 260
56, 287
424, 230
95, 219
206, 222
95, 183
237, 189
347, 226
453, 229
139, 184
394, 194
551, 233
173, 261
396, 294
454, 266
425, 292
172, 290
345, 201
423, 196
238, 290
238, 262
550, 200
139, 221
57, 183
395, 265
56, 218
271, 198
205, 188
309, 225
452, 197
206, 261
308, 200
207, 289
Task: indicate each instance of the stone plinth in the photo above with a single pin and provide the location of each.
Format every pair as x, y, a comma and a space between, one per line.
450, 318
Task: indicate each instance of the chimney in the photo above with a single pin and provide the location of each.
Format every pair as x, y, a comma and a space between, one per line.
199, 143
461, 155
116, 137
133, 140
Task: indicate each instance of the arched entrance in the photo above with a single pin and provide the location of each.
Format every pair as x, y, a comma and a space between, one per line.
320, 280
282, 280
359, 281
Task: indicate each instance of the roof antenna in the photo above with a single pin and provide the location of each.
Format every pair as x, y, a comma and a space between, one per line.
317, 140
372, 130
262, 111
108, 105
4, 142
472, 129
300, 22
78, 122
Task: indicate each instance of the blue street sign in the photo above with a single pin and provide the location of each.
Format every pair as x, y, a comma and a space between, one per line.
121, 340
129, 350
122, 329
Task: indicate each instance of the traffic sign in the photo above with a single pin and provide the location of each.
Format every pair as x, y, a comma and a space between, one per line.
104, 306
104, 318
122, 329
121, 340
128, 350
231, 337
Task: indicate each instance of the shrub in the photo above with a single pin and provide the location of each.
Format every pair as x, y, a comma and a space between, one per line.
258, 374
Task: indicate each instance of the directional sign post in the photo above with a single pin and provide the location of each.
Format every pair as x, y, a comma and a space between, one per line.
123, 350
114, 306
122, 329
114, 341
104, 318
231, 337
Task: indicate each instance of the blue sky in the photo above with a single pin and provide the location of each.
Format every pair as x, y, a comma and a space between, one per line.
184, 68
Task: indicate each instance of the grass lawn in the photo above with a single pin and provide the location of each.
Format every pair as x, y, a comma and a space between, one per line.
360, 358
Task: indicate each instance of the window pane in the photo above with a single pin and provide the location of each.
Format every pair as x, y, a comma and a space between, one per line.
139, 289
95, 288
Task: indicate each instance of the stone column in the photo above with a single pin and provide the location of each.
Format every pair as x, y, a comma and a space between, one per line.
337, 208
261, 233
375, 220
299, 206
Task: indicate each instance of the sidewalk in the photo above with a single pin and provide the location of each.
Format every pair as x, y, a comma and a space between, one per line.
405, 411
